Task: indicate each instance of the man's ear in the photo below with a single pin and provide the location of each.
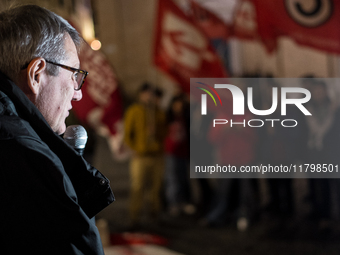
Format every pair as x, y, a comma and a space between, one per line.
35, 70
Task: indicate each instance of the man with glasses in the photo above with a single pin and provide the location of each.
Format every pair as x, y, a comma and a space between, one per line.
49, 193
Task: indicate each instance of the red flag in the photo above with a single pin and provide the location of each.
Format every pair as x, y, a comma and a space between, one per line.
313, 23
212, 25
101, 105
181, 49
245, 23
100, 91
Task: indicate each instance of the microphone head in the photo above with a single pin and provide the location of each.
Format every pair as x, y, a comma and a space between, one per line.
76, 136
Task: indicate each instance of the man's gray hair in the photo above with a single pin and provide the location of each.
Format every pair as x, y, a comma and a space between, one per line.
30, 31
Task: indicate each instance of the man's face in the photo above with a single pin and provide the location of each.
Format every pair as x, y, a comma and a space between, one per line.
57, 92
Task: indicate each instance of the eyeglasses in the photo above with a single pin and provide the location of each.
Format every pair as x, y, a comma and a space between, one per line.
79, 76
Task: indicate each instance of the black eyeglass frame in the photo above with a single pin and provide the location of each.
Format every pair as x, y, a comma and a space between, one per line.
72, 69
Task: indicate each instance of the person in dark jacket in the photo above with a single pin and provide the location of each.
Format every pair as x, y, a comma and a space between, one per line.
48, 193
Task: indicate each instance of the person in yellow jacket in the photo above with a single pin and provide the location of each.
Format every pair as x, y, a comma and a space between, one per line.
145, 129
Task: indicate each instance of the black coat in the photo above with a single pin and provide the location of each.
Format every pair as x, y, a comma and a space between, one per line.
48, 192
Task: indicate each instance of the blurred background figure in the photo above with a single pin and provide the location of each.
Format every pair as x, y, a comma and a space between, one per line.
322, 141
144, 134
199, 140
158, 96
234, 146
280, 145
177, 184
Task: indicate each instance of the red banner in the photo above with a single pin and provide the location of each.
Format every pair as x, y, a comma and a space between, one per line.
212, 25
101, 102
313, 23
182, 49
101, 106
245, 23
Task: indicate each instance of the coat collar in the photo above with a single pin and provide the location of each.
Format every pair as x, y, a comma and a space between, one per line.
27, 111
24, 107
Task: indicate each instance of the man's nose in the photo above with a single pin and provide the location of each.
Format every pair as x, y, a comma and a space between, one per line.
77, 96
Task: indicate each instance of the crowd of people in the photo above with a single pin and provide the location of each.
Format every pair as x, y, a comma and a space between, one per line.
165, 138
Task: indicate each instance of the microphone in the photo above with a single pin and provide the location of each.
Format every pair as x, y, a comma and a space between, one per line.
76, 137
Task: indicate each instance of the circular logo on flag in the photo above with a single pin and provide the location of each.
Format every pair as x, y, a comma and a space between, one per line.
309, 13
